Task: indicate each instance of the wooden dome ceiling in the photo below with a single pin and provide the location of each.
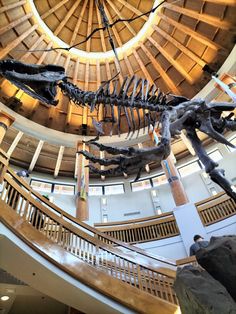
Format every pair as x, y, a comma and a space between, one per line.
72, 21
184, 36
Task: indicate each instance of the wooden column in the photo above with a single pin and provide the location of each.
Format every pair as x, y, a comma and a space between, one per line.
172, 175
82, 210
176, 185
5, 121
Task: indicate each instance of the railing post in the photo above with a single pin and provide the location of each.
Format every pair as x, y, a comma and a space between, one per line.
4, 162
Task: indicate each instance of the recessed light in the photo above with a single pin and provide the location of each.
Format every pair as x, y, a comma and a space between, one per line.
5, 298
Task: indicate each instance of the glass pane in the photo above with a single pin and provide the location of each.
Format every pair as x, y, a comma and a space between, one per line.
233, 141
141, 185
41, 186
216, 155
188, 169
161, 179
95, 190
114, 189
213, 191
64, 189
105, 218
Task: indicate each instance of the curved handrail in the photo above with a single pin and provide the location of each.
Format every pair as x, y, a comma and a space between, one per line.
78, 223
151, 230
133, 221
108, 284
216, 208
135, 271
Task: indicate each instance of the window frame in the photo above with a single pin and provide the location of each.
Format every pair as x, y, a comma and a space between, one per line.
96, 185
188, 164
52, 185
113, 184
147, 179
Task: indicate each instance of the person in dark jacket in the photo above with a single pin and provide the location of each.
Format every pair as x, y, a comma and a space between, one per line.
198, 244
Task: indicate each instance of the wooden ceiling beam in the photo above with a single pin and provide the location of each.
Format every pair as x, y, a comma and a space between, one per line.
129, 27
115, 32
14, 143
15, 23
225, 2
173, 62
53, 9
17, 41
181, 47
34, 46
59, 160
206, 18
36, 155
44, 54
78, 23
167, 80
143, 67
133, 9
128, 65
90, 22
188, 31
12, 6
66, 18
102, 37
70, 105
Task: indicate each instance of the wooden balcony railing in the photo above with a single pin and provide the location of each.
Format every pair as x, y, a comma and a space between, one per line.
153, 228
81, 241
216, 208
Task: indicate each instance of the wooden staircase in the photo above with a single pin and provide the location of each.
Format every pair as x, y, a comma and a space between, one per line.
81, 251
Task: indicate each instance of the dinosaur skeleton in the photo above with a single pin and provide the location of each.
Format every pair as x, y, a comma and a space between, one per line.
172, 113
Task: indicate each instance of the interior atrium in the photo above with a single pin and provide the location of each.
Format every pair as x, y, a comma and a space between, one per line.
106, 233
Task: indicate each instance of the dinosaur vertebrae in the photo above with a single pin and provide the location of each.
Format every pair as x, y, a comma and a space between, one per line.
133, 95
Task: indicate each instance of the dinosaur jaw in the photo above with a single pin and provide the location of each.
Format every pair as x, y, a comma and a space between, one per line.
38, 81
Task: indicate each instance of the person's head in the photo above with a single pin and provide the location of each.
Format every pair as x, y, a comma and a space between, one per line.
197, 238
23, 173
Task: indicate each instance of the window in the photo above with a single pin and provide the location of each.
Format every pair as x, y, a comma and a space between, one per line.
161, 179
105, 218
213, 191
158, 210
141, 185
41, 186
95, 190
189, 168
232, 141
64, 189
114, 189
215, 155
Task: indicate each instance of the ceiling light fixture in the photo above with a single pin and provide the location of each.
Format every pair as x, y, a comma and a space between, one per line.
5, 298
